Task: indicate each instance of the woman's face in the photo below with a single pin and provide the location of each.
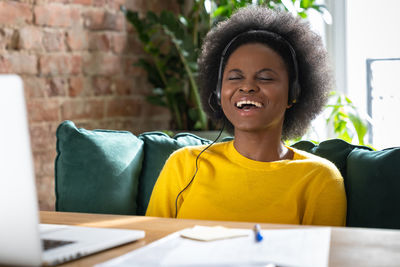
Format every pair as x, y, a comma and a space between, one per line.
255, 84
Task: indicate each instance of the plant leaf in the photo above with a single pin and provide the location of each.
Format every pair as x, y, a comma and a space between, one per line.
156, 100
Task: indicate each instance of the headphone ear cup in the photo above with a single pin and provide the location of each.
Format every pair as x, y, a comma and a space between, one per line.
214, 103
218, 95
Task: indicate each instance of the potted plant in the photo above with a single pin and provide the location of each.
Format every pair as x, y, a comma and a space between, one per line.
172, 42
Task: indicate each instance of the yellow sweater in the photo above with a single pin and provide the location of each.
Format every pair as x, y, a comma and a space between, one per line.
229, 186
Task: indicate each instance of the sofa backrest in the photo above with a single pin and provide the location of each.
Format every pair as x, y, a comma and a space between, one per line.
103, 171
157, 147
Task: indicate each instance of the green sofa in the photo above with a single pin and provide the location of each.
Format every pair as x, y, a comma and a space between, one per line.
104, 171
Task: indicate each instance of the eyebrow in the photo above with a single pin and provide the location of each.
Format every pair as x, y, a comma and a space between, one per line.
258, 72
235, 70
265, 69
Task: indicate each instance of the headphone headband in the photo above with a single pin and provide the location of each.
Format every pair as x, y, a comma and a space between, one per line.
294, 89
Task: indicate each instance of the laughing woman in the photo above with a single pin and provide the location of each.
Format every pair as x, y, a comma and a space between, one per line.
264, 75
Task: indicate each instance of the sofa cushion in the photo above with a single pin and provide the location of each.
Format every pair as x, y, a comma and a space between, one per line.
97, 171
157, 148
372, 186
334, 150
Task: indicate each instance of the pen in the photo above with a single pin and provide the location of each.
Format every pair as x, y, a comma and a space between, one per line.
257, 233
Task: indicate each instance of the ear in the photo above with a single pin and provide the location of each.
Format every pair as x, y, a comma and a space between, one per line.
291, 104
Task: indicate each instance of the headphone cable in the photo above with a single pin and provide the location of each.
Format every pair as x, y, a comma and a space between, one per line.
194, 175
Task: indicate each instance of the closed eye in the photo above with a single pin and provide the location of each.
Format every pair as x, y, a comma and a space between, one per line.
265, 79
234, 78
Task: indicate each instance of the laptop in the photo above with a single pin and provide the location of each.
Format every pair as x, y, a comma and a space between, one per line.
23, 241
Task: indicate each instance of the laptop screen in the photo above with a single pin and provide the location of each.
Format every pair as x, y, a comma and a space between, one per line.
19, 230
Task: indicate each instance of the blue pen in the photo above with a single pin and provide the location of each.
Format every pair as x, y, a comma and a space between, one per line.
257, 233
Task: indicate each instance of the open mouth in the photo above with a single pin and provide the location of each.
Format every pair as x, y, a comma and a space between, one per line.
248, 104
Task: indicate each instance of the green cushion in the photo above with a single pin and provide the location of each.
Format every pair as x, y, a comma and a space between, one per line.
334, 150
157, 148
373, 186
97, 171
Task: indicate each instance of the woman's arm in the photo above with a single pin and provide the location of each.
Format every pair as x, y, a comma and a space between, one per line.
328, 204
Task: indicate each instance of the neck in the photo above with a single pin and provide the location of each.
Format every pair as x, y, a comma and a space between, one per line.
261, 146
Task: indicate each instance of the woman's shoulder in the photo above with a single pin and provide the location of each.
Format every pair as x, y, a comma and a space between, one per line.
314, 162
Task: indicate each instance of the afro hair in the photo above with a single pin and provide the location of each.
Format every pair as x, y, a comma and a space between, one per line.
314, 74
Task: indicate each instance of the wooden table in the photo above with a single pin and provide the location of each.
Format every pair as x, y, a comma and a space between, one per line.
349, 246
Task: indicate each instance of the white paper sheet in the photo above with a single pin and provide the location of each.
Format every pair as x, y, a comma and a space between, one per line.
289, 247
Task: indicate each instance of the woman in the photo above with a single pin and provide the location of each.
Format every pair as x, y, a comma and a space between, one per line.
264, 74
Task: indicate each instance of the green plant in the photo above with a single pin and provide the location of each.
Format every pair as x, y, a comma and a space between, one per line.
341, 118
173, 43
347, 123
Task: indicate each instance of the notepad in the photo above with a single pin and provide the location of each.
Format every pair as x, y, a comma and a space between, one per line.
282, 247
205, 233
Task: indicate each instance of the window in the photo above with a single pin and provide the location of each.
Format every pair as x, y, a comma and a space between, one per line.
362, 30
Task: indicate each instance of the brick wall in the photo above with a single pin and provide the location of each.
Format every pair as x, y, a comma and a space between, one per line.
75, 57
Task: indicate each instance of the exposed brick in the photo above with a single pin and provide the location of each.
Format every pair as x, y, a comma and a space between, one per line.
158, 6
77, 39
141, 125
27, 1
82, 2
45, 2
99, 42
120, 43
90, 124
60, 64
83, 109
116, 4
53, 41
5, 65
56, 86
123, 107
139, 5
101, 86
123, 85
102, 64
122, 124
132, 85
34, 87
43, 136
21, 63
161, 122
104, 20
43, 110
76, 86
30, 38
99, 2
44, 163
56, 15
149, 110
134, 46
131, 68
45, 191
68, 75
14, 13
9, 39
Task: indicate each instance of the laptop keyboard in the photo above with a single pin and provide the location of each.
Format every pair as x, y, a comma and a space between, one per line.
51, 244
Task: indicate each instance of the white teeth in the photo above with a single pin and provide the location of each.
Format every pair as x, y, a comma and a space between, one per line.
248, 102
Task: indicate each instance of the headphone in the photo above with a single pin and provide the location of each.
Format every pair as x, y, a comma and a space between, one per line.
294, 88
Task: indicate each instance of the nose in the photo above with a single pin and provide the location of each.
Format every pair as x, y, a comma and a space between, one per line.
247, 91
248, 88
